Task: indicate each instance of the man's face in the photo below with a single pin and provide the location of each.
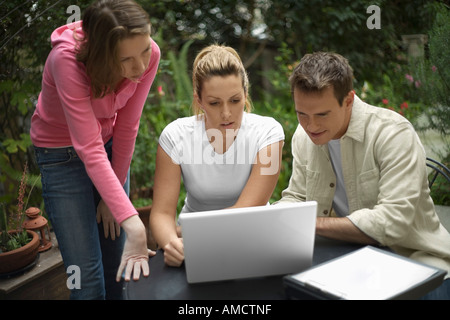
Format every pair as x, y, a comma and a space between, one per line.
321, 116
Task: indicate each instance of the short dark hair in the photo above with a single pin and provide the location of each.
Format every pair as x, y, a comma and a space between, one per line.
320, 70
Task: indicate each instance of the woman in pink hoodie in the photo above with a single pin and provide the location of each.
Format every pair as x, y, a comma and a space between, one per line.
95, 82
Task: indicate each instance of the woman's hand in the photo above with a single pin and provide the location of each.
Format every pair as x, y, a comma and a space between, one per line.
110, 226
135, 254
174, 252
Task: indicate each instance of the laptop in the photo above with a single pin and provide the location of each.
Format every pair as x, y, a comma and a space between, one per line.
248, 242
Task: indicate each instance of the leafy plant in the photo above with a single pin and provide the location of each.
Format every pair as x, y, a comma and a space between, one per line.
440, 192
398, 91
11, 240
279, 105
179, 68
13, 236
436, 74
14, 240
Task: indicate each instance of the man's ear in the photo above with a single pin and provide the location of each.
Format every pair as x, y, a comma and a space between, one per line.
348, 100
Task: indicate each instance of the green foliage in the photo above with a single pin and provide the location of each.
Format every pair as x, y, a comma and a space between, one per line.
436, 88
10, 241
436, 75
24, 46
440, 191
3, 224
13, 241
418, 86
251, 26
12, 234
279, 105
340, 26
399, 92
13, 146
179, 68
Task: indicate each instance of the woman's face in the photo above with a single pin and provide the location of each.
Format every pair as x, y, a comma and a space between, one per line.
223, 101
134, 56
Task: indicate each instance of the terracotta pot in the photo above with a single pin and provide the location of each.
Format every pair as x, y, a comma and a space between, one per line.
19, 258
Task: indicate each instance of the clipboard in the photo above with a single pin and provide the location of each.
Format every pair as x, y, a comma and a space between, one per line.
368, 273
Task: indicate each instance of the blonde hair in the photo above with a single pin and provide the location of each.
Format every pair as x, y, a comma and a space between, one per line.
105, 24
218, 60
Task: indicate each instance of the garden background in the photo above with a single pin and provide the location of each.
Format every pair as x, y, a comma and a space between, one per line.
393, 69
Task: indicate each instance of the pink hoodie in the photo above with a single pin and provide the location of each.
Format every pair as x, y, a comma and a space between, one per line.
67, 115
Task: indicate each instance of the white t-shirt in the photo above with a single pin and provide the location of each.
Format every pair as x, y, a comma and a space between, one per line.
215, 181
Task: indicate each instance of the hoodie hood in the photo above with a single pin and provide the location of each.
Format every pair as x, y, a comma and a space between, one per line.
65, 34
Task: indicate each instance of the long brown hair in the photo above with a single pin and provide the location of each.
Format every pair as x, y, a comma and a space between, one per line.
105, 24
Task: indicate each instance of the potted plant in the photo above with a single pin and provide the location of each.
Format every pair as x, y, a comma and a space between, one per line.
18, 247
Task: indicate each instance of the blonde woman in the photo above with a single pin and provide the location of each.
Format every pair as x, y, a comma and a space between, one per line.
95, 82
227, 156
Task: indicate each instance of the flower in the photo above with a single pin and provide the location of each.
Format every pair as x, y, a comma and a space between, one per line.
19, 237
417, 83
433, 68
17, 217
409, 78
385, 101
160, 91
404, 105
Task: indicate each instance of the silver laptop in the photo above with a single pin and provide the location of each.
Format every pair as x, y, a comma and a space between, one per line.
248, 242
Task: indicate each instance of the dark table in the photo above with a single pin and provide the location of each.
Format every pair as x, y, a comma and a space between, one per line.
169, 283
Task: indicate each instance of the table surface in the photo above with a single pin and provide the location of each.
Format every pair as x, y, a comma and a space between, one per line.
169, 283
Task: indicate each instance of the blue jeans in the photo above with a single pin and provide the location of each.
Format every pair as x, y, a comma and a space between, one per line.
440, 293
71, 204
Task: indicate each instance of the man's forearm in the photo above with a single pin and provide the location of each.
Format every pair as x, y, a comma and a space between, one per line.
341, 229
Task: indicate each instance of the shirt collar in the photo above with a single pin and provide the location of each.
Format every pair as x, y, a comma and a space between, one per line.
356, 126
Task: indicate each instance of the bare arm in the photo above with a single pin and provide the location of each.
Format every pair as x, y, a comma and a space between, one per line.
164, 208
263, 178
341, 229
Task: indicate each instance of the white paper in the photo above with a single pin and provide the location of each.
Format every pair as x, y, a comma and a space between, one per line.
366, 274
